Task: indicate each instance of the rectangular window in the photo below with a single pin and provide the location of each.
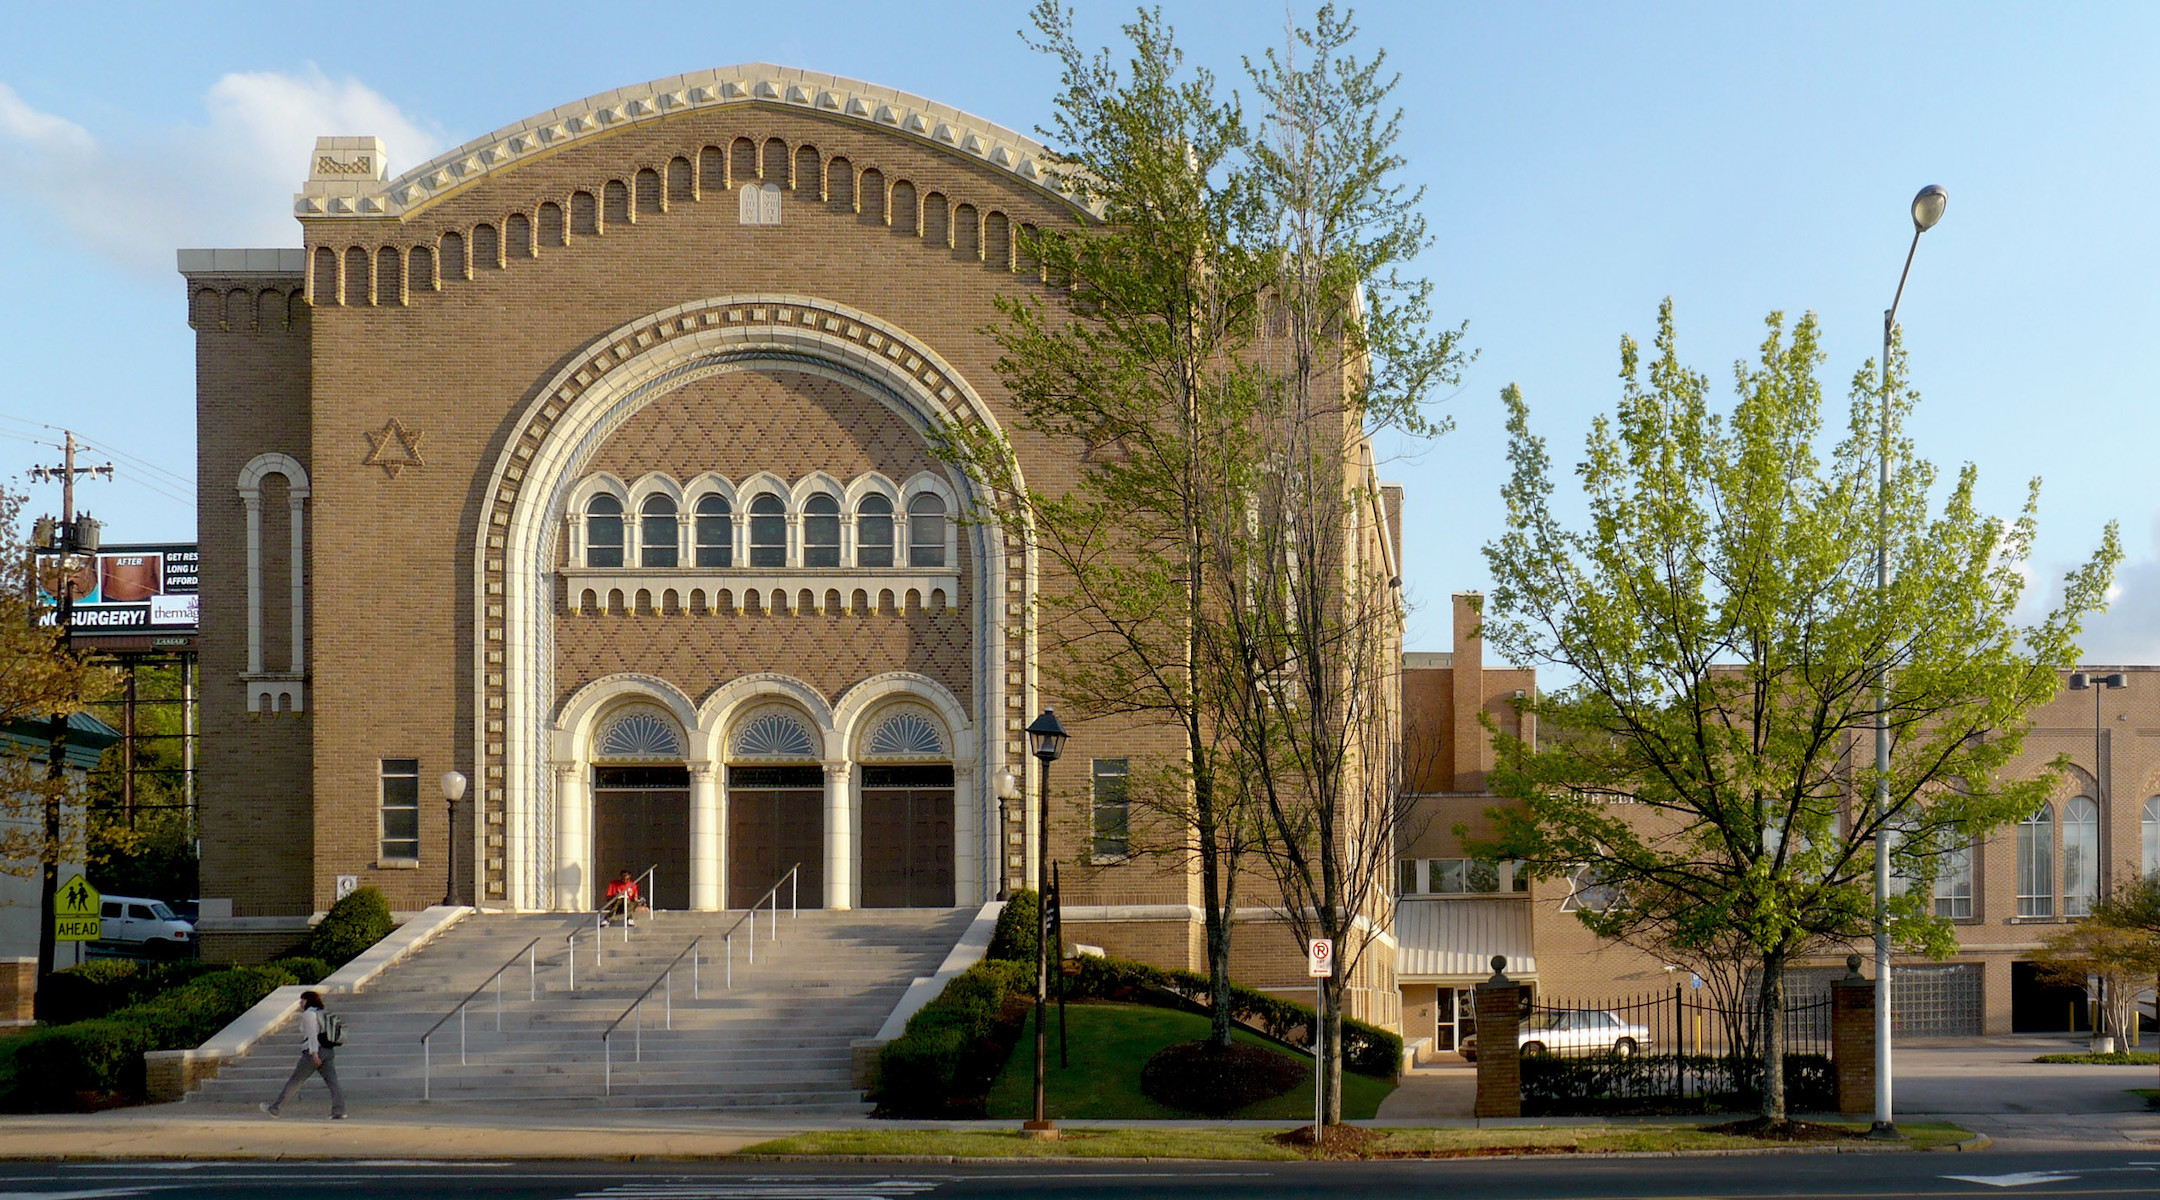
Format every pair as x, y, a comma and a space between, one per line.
401, 809
1463, 876
1954, 884
1113, 808
1409, 877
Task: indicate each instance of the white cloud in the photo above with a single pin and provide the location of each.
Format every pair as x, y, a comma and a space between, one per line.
2129, 631
136, 197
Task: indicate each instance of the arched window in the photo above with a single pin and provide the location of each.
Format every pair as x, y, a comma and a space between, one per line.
821, 531
2150, 828
768, 532
2036, 864
2081, 856
656, 532
715, 531
873, 532
926, 531
1954, 884
603, 532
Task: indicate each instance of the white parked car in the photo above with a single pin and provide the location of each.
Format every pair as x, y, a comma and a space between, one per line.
1573, 1032
144, 924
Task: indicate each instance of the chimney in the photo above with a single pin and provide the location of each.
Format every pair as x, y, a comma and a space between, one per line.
1473, 749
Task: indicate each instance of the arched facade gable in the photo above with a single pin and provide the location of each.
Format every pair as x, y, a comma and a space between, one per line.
262, 466
718, 715
547, 447
861, 705
708, 483
581, 716
765, 483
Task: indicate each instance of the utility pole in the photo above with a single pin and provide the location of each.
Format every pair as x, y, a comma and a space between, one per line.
64, 540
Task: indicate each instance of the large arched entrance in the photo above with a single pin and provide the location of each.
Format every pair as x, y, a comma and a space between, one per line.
776, 807
907, 812
641, 803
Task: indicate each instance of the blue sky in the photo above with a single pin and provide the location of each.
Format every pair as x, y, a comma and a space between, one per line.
1582, 162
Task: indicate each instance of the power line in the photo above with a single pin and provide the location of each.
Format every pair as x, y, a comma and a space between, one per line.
186, 482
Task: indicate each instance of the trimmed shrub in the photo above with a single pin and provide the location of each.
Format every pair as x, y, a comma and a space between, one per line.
1367, 1049
302, 968
952, 1048
353, 924
1198, 1077
68, 1066
95, 989
1014, 939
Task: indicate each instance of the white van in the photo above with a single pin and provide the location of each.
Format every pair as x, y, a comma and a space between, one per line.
145, 924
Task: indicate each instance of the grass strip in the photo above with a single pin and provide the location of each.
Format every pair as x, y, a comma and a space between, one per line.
1261, 1144
2121, 1058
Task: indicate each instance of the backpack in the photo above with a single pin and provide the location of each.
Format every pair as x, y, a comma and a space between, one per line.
333, 1030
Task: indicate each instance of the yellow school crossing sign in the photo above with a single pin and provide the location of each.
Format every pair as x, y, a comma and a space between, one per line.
75, 912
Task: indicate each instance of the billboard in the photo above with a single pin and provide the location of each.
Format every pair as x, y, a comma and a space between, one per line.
129, 589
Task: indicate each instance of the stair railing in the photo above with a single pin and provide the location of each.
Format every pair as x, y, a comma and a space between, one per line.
792, 878
666, 979
599, 918
530, 954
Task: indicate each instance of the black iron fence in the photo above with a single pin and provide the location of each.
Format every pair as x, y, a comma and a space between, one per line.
1668, 1052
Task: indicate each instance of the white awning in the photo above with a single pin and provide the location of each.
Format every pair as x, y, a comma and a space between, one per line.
1453, 941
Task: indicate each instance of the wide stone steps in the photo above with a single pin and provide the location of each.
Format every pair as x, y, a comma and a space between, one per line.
780, 1039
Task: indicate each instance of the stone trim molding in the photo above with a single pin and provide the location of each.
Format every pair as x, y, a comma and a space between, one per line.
284, 690
347, 177
545, 454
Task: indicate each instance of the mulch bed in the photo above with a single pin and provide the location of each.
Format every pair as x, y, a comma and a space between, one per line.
1340, 1141
1764, 1129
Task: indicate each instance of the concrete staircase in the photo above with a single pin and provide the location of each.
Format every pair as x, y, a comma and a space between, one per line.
779, 1040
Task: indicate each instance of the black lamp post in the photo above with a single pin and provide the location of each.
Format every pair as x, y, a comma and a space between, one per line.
1046, 740
453, 790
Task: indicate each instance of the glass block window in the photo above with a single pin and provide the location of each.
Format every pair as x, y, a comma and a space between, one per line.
1112, 808
768, 532
603, 532
926, 531
656, 532
874, 532
400, 805
714, 532
821, 531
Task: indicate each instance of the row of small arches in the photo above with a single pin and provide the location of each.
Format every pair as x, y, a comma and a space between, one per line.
243, 309
879, 538
389, 274
757, 601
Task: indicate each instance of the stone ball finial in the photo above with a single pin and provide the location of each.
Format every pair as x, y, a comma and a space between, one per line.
1852, 963
1499, 963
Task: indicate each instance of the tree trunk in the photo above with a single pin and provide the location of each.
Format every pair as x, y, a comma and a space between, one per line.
1772, 1007
1332, 1043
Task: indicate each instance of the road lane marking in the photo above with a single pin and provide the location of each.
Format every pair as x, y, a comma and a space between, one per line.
2020, 1179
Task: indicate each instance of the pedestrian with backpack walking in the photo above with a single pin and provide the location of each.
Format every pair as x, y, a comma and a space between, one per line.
321, 1033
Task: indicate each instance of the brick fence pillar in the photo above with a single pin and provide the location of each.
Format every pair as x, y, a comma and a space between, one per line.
1852, 1039
18, 991
1499, 1056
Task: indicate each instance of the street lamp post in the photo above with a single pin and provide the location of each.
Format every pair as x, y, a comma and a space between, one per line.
2084, 681
1008, 790
1927, 208
1046, 738
453, 790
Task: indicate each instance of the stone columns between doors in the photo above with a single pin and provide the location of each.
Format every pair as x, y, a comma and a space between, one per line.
839, 835
706, 880
573, 840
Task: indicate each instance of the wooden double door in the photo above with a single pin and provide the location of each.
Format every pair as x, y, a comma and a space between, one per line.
776, 819
907, 837
641, 818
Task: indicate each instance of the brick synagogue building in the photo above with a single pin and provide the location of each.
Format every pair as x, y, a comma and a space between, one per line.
592, 460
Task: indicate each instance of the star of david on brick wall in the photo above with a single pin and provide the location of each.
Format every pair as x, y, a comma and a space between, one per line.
393, 449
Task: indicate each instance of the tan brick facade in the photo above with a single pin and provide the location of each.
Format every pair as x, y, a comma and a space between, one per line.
761, 274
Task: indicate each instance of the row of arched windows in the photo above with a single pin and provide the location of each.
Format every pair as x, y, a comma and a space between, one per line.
2079, 836
878, 529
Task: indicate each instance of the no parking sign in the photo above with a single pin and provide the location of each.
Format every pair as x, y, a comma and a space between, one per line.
1320, 958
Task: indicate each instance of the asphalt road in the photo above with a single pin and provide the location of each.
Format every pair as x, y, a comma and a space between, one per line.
1830, 1175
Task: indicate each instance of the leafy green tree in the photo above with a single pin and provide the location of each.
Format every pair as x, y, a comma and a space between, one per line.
2132, 911
1710, 768
144, 846
1131, 367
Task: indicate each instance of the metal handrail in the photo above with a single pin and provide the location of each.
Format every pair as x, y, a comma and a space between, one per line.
650, 878
530, 953
666, 976
792, 878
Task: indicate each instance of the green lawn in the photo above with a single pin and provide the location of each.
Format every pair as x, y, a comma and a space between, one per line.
2121, 1058
1249, 1143
1110, 1044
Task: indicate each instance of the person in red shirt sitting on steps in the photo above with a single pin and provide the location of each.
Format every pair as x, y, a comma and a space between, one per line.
622, 897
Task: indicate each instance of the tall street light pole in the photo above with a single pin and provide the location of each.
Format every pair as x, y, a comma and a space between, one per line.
1927, 208
1046, 737
2083, 681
